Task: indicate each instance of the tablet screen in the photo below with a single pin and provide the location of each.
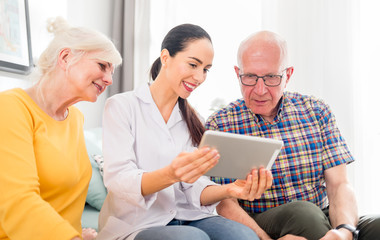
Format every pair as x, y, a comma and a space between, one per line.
239, 154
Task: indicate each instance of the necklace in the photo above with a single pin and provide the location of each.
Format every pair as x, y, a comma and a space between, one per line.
66, 113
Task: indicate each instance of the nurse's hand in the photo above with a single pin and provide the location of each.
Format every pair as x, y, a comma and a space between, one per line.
188, 167
253, 186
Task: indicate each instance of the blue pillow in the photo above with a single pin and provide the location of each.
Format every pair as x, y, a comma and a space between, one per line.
97, 192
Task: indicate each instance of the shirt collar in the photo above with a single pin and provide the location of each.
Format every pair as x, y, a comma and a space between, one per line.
143, 93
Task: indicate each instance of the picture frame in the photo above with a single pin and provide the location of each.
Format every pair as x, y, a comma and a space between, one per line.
15, 43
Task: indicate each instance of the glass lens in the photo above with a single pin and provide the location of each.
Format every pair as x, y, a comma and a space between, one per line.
272, 80
249, 79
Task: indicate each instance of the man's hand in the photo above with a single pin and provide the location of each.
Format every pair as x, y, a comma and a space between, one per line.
253, 187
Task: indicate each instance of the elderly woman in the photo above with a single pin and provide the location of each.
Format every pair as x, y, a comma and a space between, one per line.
45, 168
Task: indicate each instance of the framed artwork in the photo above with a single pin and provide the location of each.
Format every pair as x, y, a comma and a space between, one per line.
15, 45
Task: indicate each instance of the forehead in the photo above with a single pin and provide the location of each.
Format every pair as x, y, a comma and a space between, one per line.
99, 56
201, 49
262, 56
96, 57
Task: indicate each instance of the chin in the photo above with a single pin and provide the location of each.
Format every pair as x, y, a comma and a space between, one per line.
185, 95
92, 98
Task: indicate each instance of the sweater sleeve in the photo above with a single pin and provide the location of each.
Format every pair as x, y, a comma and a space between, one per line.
23, 213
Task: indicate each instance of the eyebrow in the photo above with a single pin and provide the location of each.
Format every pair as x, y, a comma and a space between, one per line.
199, 61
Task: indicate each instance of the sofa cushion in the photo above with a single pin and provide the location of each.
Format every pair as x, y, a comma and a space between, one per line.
96, 190
90, 217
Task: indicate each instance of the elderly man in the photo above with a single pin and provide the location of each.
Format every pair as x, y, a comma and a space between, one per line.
311, 197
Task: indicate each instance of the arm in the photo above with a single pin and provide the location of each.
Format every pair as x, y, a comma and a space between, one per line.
343, 206
230, 209
24, 214
250, 189
186, 167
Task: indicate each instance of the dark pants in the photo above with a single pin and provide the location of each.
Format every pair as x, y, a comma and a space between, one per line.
309, 221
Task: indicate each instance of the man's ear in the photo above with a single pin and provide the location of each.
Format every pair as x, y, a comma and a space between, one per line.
237, 71
289, 73
164, 57
63, 58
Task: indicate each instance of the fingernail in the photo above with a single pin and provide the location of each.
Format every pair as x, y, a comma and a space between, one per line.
205, 149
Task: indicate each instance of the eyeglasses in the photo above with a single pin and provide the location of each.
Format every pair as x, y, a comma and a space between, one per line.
249, 79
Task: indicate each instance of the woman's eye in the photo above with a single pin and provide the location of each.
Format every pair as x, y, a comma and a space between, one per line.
102, 66
206, 70
193, 65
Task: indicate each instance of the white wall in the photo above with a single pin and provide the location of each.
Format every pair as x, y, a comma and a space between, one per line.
96, 14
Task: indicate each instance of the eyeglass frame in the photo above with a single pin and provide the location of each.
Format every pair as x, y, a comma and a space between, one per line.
263, 77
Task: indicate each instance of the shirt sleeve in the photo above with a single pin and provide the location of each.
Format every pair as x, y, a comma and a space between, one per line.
23, 213
122, 177
193, 193
336, 151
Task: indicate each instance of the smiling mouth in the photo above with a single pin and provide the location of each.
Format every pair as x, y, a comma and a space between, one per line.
189, 87
100, 88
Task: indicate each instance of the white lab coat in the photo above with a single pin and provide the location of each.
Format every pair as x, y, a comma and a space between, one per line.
136, 139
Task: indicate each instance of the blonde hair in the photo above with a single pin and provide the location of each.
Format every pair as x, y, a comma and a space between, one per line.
79, 40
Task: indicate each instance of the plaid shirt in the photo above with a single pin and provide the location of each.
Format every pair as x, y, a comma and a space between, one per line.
312, 144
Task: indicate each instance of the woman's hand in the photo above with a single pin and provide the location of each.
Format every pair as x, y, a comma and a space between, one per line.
253, 187
188, 167
89, 233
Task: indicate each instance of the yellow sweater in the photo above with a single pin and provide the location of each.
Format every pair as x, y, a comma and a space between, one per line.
44, 171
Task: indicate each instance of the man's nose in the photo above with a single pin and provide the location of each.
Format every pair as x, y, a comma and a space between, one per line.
260, 88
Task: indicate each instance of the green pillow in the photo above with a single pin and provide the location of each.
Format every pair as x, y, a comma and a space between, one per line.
97, 192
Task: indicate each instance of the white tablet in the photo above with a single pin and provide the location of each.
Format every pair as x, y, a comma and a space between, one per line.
239, 154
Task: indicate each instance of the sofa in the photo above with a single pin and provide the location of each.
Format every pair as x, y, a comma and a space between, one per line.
96, 191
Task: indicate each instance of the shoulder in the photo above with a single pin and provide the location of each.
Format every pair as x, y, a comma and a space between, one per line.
303, 102
121, 100
17, 110
227, 115
232, 108
13, 95
14, 101
122, 107
130, 98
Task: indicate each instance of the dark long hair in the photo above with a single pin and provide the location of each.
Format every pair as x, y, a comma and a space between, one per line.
176, 40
